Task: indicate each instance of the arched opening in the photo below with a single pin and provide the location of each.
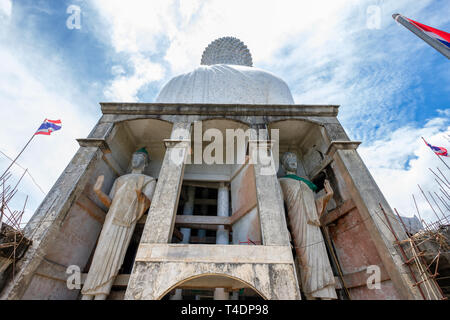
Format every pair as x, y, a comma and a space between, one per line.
129, 136
212, 287
305, 139
125, 138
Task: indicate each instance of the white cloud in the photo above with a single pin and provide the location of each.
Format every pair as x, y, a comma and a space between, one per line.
445, 112
387, 160
27, 97
126, 88
5, 7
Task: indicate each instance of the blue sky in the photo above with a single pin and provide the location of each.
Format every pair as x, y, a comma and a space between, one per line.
391, 86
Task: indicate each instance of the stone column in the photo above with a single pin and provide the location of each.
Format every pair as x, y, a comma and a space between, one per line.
178, 295
223, 209
204, 211
268, 191
161, 217
188, 210
222, 235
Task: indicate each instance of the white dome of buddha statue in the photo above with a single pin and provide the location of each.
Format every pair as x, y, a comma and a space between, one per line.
226, 75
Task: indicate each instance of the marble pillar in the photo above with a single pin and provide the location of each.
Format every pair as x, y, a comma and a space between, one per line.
222, 235
178, 295
268, 192
201, 233
188, 210
161, 218
223, 209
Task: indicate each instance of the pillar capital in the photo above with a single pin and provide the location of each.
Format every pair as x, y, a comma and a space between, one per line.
338, 145
95, 142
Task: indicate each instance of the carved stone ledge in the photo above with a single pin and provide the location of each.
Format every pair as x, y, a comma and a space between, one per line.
263, 143
177, 143
93, 142
346, 145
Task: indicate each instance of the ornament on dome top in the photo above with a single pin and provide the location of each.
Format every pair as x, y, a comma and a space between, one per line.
227, 50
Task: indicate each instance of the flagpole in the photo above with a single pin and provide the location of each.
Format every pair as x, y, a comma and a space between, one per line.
437, 155
432, 42
443, 161
23, 149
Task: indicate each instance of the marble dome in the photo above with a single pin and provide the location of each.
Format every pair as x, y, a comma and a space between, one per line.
225, 76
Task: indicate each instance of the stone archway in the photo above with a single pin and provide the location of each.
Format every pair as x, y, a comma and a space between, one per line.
208, 282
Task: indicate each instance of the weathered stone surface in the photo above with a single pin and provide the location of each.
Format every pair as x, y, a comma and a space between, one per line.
270, 201
221, 110
214, 253
161, 218
271, 281
362, 188
44, 226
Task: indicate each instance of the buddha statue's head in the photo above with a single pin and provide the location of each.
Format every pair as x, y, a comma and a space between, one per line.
139, 160
289, 162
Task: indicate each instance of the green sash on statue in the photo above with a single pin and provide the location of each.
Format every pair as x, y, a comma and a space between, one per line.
311, 185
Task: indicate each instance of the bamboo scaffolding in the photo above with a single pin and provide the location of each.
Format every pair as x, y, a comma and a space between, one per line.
437, 204
423, 193
11, 218
425, 275
405, 258
445, 184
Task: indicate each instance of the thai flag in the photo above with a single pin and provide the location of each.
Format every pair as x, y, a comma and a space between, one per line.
48, 126
438, 150
439, 35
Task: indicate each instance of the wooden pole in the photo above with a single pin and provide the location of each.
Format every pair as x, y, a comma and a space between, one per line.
14, 161
442, 200
445, 194
437, 204
442, 175
439, 179
417, 209
423, 193
405, 257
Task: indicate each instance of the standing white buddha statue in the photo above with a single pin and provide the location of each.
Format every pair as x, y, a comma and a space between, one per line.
128, 199
304, 213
